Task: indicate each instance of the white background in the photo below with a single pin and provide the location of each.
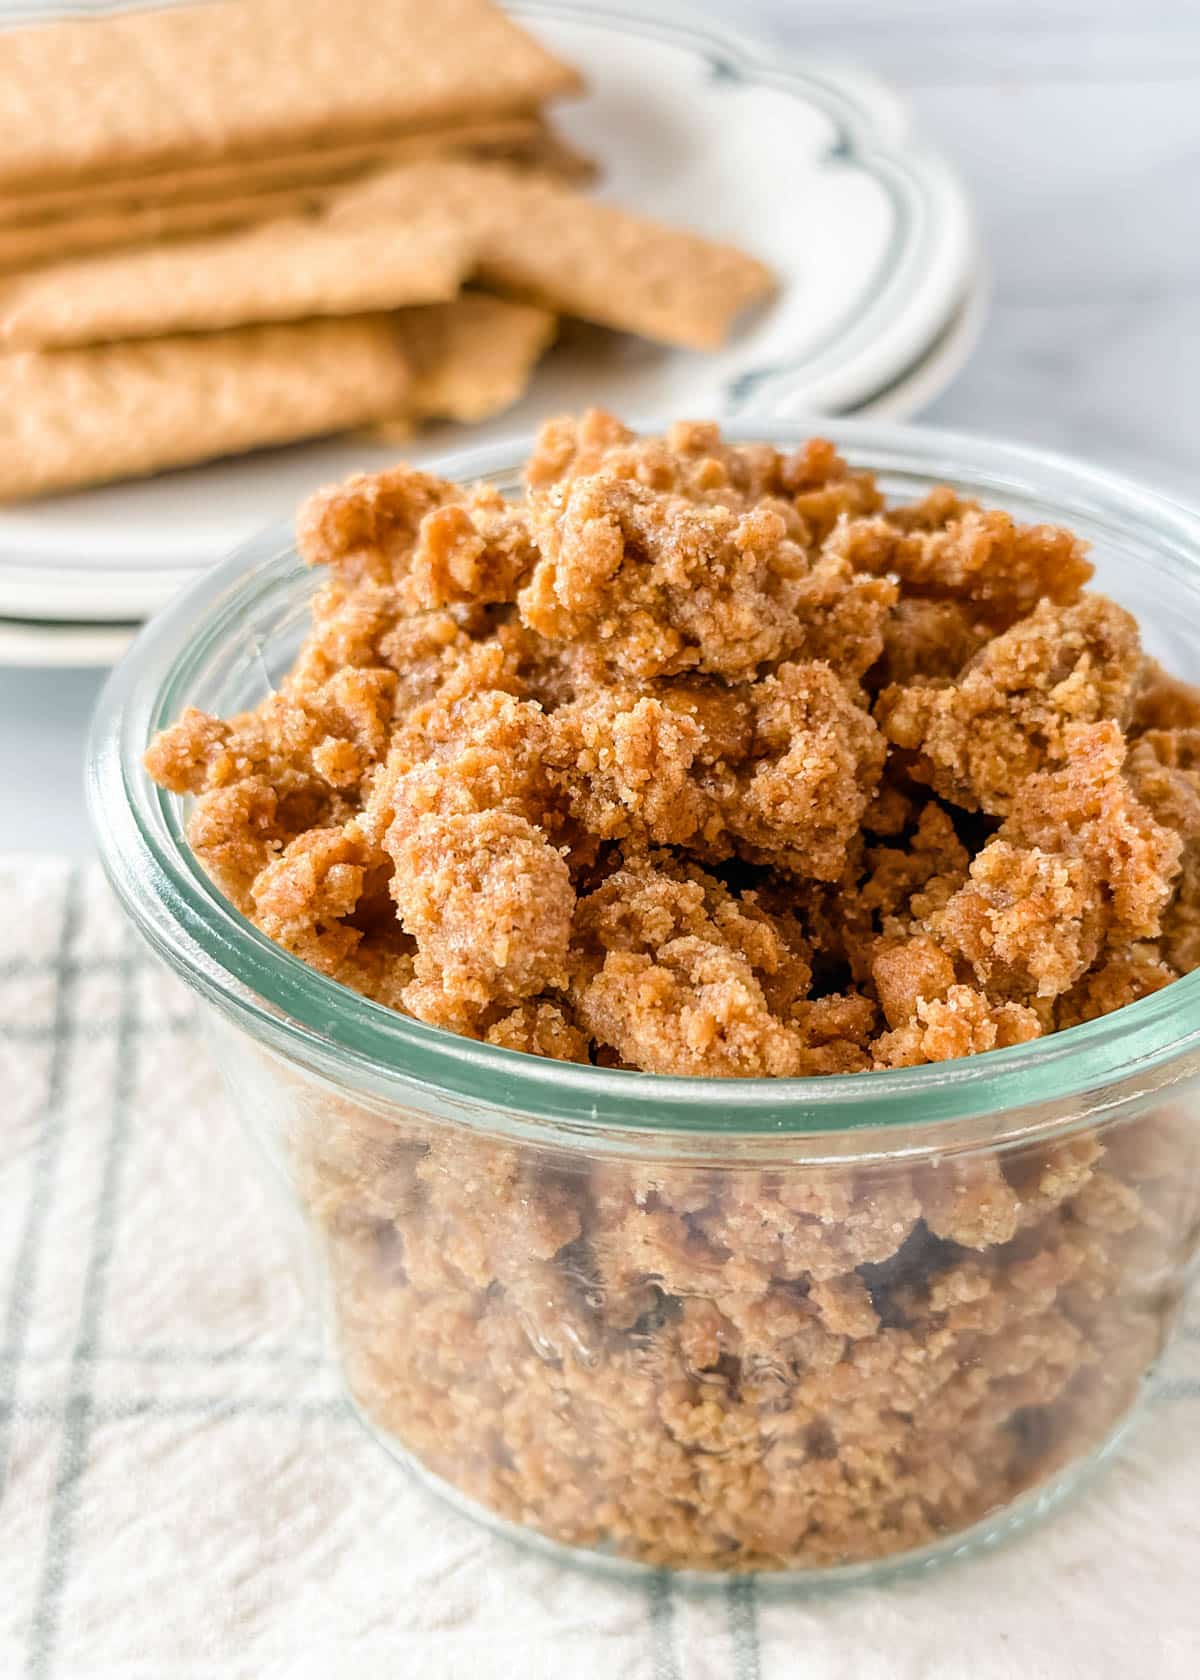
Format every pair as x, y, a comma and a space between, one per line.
1076, 124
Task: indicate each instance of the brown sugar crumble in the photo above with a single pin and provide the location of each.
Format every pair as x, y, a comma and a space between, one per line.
701, 760
655, 751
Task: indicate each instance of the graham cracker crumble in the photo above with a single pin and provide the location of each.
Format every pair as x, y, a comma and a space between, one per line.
701, 760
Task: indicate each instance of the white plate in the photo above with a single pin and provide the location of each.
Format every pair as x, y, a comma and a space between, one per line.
813, 169
32, 644
921, 384
35, 644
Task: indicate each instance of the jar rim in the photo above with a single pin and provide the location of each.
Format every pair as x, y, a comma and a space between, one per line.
354, 1041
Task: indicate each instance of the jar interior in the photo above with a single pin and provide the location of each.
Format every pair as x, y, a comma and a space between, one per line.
719, 1367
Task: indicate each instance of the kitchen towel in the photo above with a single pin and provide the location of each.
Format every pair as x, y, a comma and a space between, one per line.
185, 1496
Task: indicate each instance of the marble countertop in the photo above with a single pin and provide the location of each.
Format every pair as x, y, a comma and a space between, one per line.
1076, 125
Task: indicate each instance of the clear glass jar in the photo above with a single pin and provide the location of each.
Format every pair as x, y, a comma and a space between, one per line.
805, 1325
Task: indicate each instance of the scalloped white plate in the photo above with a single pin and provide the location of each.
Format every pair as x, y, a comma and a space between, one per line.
814, 169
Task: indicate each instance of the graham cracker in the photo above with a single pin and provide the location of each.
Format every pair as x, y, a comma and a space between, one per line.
36, 246
281, 271
470, 358
133, 91
512, 138
75, 417
542, 243
544, 153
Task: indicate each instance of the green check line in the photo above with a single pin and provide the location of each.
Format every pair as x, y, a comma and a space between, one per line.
80, 1419
48, 1150
743, 1627
665, 1658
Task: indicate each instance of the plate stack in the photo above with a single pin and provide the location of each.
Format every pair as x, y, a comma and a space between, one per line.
815, 171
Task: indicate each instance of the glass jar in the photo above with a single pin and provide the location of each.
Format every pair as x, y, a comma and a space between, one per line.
807, 1325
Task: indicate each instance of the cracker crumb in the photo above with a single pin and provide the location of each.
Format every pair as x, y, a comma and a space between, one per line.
698, 760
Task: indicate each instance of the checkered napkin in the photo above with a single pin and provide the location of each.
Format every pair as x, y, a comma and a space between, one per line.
185, 1497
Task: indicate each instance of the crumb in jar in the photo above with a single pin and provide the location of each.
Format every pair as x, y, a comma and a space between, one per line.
909, 742
699, 759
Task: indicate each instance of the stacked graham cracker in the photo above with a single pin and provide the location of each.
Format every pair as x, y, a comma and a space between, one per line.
246, 222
